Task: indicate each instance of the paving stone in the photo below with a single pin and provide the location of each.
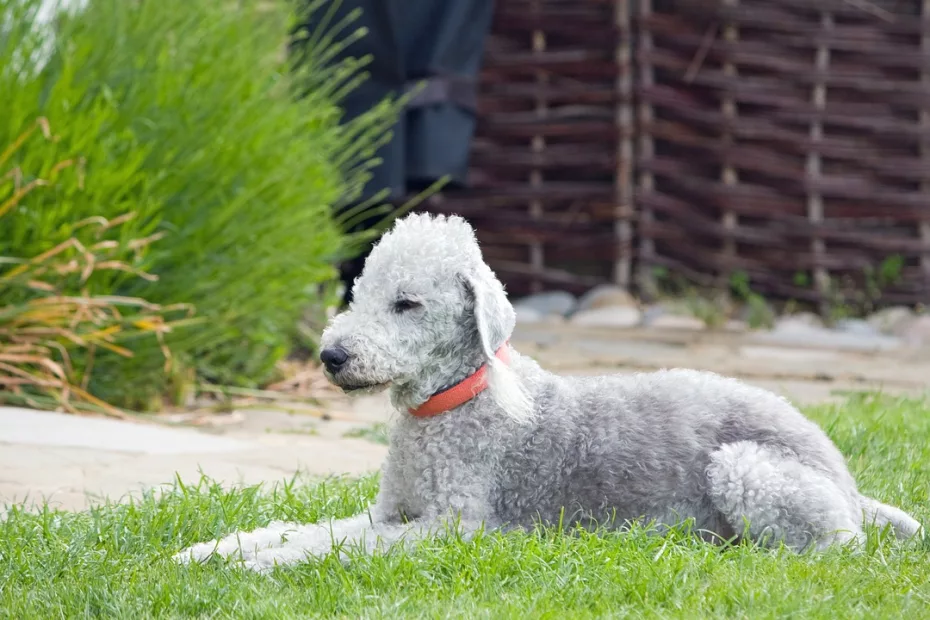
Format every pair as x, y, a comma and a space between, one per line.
800, 318
43, 428
605, 349
676, 322
736, 326
800, 333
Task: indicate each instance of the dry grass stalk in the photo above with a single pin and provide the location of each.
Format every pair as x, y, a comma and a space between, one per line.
47, 325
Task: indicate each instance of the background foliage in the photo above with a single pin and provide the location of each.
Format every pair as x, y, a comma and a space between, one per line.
183, 113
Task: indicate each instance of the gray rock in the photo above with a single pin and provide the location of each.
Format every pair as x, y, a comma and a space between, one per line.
891, 320
606, 296
549, 303
652, 312
615, 317
916, 334
858, 327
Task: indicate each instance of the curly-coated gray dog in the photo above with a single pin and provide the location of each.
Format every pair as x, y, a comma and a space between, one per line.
487, 439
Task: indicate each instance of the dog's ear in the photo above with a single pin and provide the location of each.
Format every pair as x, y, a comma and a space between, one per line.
494, 318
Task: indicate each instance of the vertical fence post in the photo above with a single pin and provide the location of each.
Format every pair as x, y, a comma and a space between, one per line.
729, 174
925, 144
538, 146
814, 167
623, 174
646, 180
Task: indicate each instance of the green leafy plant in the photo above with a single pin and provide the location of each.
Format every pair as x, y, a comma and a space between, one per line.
848, 296
759, 313
187, 115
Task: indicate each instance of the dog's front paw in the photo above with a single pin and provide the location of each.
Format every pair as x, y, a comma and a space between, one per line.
198, 553
258, 565
265, 560
239, 546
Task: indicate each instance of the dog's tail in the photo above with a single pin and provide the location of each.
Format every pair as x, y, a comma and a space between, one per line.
903, 524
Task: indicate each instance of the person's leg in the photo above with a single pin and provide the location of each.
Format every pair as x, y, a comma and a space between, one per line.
435, 40
386, 78
443, 44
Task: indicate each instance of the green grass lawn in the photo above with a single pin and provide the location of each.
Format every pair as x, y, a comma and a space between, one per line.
115, 561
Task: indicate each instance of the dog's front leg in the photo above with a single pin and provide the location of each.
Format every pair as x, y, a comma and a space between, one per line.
245, 545
316, 537
356, 534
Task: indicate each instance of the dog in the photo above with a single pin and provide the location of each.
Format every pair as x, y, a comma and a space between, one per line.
486, 439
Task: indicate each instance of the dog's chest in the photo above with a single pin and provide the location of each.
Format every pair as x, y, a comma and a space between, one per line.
442, 463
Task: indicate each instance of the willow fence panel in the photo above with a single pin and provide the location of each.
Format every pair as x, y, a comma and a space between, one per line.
551, 175
787, 140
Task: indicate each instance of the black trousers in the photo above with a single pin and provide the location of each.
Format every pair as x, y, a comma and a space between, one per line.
432, 48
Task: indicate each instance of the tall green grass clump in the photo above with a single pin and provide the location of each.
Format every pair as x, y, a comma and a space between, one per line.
51, 329
184, 113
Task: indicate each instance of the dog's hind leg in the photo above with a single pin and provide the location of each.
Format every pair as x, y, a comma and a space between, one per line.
775, 498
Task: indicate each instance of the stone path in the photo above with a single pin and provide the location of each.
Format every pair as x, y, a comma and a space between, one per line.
73, 461
804, 372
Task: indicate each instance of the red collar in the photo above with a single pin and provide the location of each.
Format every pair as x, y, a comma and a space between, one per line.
460, 393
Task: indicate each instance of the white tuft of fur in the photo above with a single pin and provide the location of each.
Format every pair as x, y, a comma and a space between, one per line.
508, 392
506, 389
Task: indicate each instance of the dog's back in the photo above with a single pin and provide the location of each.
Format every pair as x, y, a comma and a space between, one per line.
639, 445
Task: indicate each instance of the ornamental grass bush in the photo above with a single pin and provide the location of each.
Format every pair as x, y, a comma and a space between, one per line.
51, 329
184, 113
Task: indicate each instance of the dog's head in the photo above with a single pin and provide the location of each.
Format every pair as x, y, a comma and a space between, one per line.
426, 312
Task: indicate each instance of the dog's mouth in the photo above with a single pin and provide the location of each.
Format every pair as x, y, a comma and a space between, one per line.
350, 387
365, 388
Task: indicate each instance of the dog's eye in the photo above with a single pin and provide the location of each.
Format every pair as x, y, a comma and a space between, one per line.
404, 305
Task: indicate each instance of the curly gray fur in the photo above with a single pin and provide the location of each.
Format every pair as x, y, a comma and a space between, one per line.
541, 448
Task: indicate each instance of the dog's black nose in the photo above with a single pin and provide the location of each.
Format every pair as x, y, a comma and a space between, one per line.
333, 358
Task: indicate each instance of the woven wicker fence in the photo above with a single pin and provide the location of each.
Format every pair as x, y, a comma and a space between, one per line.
788, 140
552, 160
